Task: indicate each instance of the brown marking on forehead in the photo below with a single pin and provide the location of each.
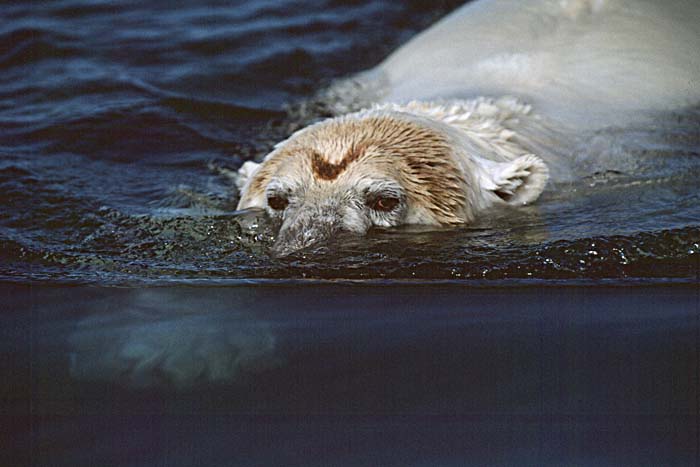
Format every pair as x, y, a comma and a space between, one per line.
418, 156
328, 171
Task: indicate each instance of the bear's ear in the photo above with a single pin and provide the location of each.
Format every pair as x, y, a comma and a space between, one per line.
520, 181
245, 173
251, 182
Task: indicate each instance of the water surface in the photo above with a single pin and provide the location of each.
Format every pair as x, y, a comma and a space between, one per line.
120, 125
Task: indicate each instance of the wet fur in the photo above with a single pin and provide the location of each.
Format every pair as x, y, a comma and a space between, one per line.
570, 65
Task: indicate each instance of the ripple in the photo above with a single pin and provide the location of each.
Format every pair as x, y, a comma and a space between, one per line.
121, 124
26, 46
143, 248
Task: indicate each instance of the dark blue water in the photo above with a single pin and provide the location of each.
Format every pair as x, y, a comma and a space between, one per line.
119, 123
143, 323
351, 375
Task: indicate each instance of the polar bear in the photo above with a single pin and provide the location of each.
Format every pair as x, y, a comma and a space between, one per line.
475, 112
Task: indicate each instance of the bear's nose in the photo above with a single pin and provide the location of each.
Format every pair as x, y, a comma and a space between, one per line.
305, 228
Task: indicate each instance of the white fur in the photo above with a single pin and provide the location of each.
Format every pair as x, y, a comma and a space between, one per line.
584, 63
485, 121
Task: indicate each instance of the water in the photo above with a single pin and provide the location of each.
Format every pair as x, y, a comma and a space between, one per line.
351, 375
120, 123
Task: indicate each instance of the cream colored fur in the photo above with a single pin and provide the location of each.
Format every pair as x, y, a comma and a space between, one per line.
584, 63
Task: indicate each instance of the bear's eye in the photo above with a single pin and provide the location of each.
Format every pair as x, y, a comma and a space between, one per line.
384, 203
277, 202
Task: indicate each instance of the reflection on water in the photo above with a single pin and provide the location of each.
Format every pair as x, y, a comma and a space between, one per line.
170, 338
119, 134
351, 375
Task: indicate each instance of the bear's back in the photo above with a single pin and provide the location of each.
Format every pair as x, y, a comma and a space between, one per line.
587, 63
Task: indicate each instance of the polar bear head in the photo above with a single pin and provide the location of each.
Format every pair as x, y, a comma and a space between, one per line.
383, 168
